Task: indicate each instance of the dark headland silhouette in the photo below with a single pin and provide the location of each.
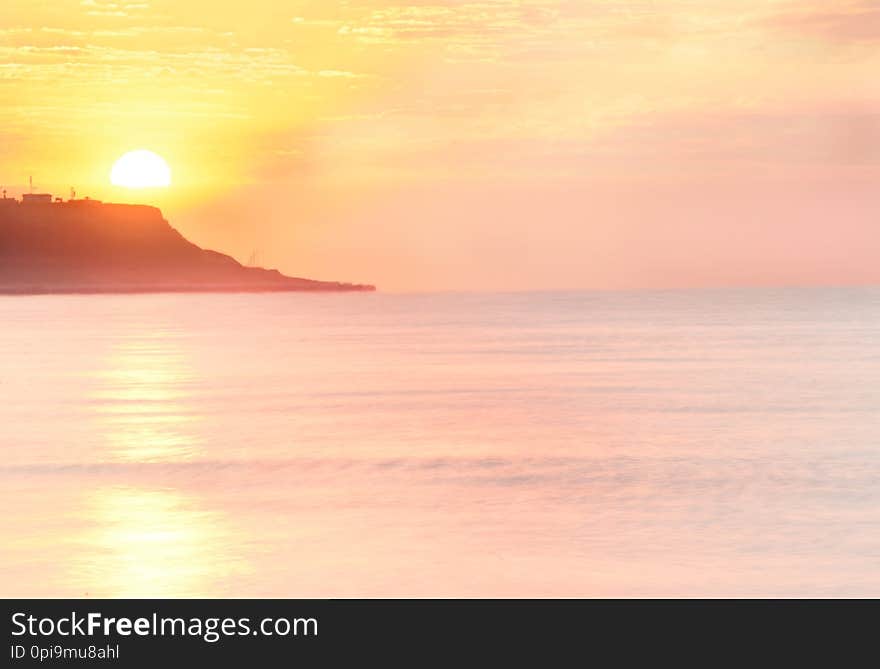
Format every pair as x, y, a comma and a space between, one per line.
86, 246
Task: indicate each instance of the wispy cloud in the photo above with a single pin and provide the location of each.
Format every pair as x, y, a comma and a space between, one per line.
844, 22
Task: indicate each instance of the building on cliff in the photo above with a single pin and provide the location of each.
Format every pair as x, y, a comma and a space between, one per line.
36, 198
43, 199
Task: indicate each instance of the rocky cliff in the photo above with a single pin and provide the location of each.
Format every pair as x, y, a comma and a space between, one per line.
84, 246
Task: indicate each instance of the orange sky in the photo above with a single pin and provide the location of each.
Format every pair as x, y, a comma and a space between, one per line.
425, 145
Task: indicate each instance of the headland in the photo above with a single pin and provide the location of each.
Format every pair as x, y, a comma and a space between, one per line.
87, 246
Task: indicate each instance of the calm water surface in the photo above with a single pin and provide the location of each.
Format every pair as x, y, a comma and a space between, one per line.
579, 444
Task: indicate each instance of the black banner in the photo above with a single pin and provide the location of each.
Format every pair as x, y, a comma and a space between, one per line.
123, 633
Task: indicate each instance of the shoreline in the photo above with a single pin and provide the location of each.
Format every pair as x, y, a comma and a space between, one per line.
144, 290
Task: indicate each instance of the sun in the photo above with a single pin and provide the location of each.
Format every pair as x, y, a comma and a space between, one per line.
141, 169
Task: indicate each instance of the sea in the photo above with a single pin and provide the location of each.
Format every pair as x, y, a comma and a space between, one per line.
702, 443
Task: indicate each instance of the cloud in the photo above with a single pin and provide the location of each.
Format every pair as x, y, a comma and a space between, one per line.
824, 137
466, 31
854, 21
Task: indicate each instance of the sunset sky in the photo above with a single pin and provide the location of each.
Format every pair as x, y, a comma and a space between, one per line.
520, 144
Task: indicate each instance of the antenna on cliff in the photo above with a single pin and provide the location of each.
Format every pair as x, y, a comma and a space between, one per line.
31, 182
72, 193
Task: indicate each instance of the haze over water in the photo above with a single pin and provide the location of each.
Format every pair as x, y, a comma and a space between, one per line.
713, 442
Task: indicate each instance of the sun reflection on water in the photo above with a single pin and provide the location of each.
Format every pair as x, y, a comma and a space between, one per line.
142, 402
144, 534
152, 543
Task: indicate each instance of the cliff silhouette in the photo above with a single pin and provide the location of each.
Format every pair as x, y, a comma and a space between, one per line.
85, 246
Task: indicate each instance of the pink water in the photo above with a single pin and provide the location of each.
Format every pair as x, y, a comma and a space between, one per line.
572, 444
